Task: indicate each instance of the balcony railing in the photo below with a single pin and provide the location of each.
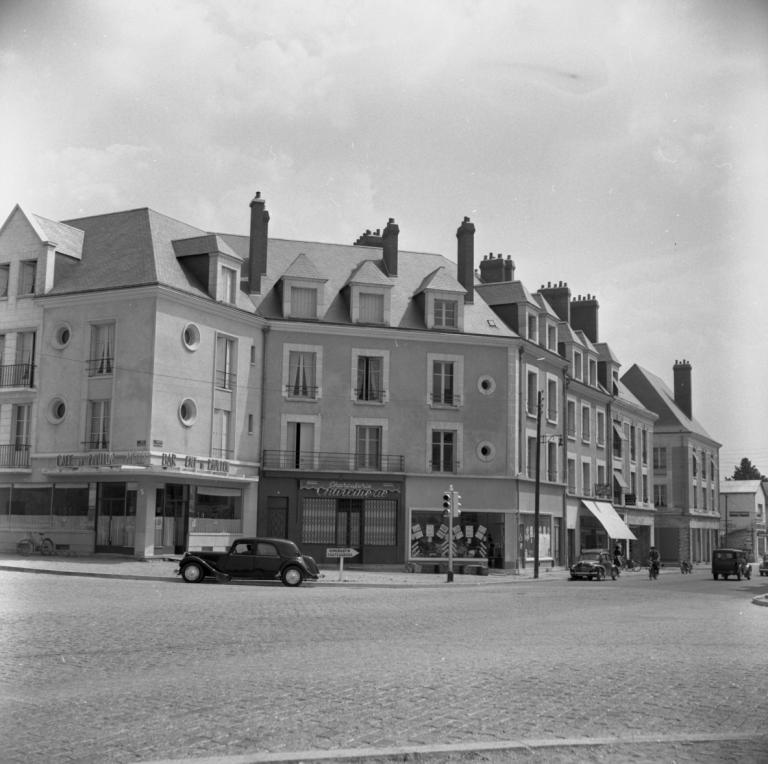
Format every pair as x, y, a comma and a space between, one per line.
630, 499
323, 461
17, 375
14, 455
100, 367
603, 490
301, 391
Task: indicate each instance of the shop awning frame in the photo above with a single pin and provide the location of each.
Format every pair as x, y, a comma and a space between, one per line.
607, 516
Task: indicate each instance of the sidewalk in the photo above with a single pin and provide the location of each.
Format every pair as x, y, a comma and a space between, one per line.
164, 569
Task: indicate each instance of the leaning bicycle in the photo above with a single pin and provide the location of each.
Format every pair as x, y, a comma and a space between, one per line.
35, 542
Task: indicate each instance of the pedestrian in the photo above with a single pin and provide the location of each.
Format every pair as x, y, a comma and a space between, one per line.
653, 562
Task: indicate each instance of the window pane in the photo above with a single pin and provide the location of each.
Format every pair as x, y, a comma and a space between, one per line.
27, 277
371, 308
303, 302
102, 349
301, 374
4, 273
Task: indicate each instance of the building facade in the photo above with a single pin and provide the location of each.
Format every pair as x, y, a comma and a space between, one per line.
686, 467
172, 388
743, 516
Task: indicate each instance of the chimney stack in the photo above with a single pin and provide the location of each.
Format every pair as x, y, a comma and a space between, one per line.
465, 236
494, 270
683, 398
257, 249
559, 297
584, 315
389, 243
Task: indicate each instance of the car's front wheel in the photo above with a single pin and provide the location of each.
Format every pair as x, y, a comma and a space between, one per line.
292, 576
600, 575
193, 573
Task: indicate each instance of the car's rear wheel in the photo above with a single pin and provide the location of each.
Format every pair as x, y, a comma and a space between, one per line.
292, 576
193, 573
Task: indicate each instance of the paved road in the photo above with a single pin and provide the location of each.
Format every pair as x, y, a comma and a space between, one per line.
101, 670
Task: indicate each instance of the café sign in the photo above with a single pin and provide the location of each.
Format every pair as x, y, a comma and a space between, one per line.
104, 459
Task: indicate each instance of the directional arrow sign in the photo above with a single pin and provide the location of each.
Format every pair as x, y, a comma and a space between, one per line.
341, 551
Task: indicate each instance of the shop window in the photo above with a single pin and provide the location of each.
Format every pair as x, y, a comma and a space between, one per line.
216, 510
529, 536
475, 535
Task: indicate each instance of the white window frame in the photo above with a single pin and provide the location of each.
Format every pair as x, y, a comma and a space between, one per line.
357, 291
430, 317
455, 427
228, 284
600, 420
317, 351
458, 380
587, 486
358, 353
586, 419
578, 365
382, 424
553, 399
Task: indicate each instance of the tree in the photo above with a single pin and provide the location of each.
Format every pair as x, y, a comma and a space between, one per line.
747, 471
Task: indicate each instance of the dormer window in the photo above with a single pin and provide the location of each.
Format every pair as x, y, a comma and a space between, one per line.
27, 274
578, 365
532, 333
445, 314
303, 302
4, 274
551, 338
371, 308
228, 286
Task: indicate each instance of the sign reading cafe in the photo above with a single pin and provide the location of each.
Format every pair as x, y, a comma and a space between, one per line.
339, 489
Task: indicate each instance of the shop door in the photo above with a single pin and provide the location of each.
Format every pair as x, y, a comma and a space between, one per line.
115, 518
349, 526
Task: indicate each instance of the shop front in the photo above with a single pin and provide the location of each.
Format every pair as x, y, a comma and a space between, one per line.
140, 503
320, 513
596, 525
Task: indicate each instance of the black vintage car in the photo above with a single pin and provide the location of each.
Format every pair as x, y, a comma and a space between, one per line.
730, 562
594, 564
256, 558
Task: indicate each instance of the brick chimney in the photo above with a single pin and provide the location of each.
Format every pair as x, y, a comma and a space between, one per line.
682, 376
559, 297
584, 315
369, 239
257, 248
495, 269
465, 236
389, 243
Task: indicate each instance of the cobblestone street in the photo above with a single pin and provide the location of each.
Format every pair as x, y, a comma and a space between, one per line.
110, 670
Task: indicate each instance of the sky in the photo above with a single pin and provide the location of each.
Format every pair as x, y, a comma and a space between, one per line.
620, 146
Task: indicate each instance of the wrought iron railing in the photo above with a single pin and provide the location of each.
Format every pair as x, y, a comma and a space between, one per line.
301, 391
17, 375
225, 379
447, 399
324, 461
14, 455
99, 367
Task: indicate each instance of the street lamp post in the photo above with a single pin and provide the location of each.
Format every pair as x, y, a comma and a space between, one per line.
537, 490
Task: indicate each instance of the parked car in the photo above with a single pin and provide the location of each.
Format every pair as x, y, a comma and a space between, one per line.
594, 564
730, 562
763, 569
256, 558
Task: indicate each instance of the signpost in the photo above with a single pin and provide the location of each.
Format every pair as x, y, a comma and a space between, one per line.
340, 552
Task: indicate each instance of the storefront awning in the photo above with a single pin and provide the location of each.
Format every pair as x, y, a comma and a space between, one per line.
614, 526
619, 478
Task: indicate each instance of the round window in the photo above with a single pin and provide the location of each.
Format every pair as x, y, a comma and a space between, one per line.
62, 335
486, 385
57, 409
188, 412
486, 451
190, 336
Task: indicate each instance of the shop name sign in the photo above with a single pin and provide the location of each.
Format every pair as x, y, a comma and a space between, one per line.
104, 459
350, 489
194, 463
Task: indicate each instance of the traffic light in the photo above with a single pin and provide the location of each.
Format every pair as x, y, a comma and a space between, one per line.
456, 503
448, 501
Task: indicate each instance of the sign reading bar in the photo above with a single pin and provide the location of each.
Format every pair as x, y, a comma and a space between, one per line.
341, 551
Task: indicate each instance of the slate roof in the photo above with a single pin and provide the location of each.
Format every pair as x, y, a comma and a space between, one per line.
654, 394
143, 247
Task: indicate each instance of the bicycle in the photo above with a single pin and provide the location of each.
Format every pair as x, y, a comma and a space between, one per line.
630, 566
35, 542
653, 570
